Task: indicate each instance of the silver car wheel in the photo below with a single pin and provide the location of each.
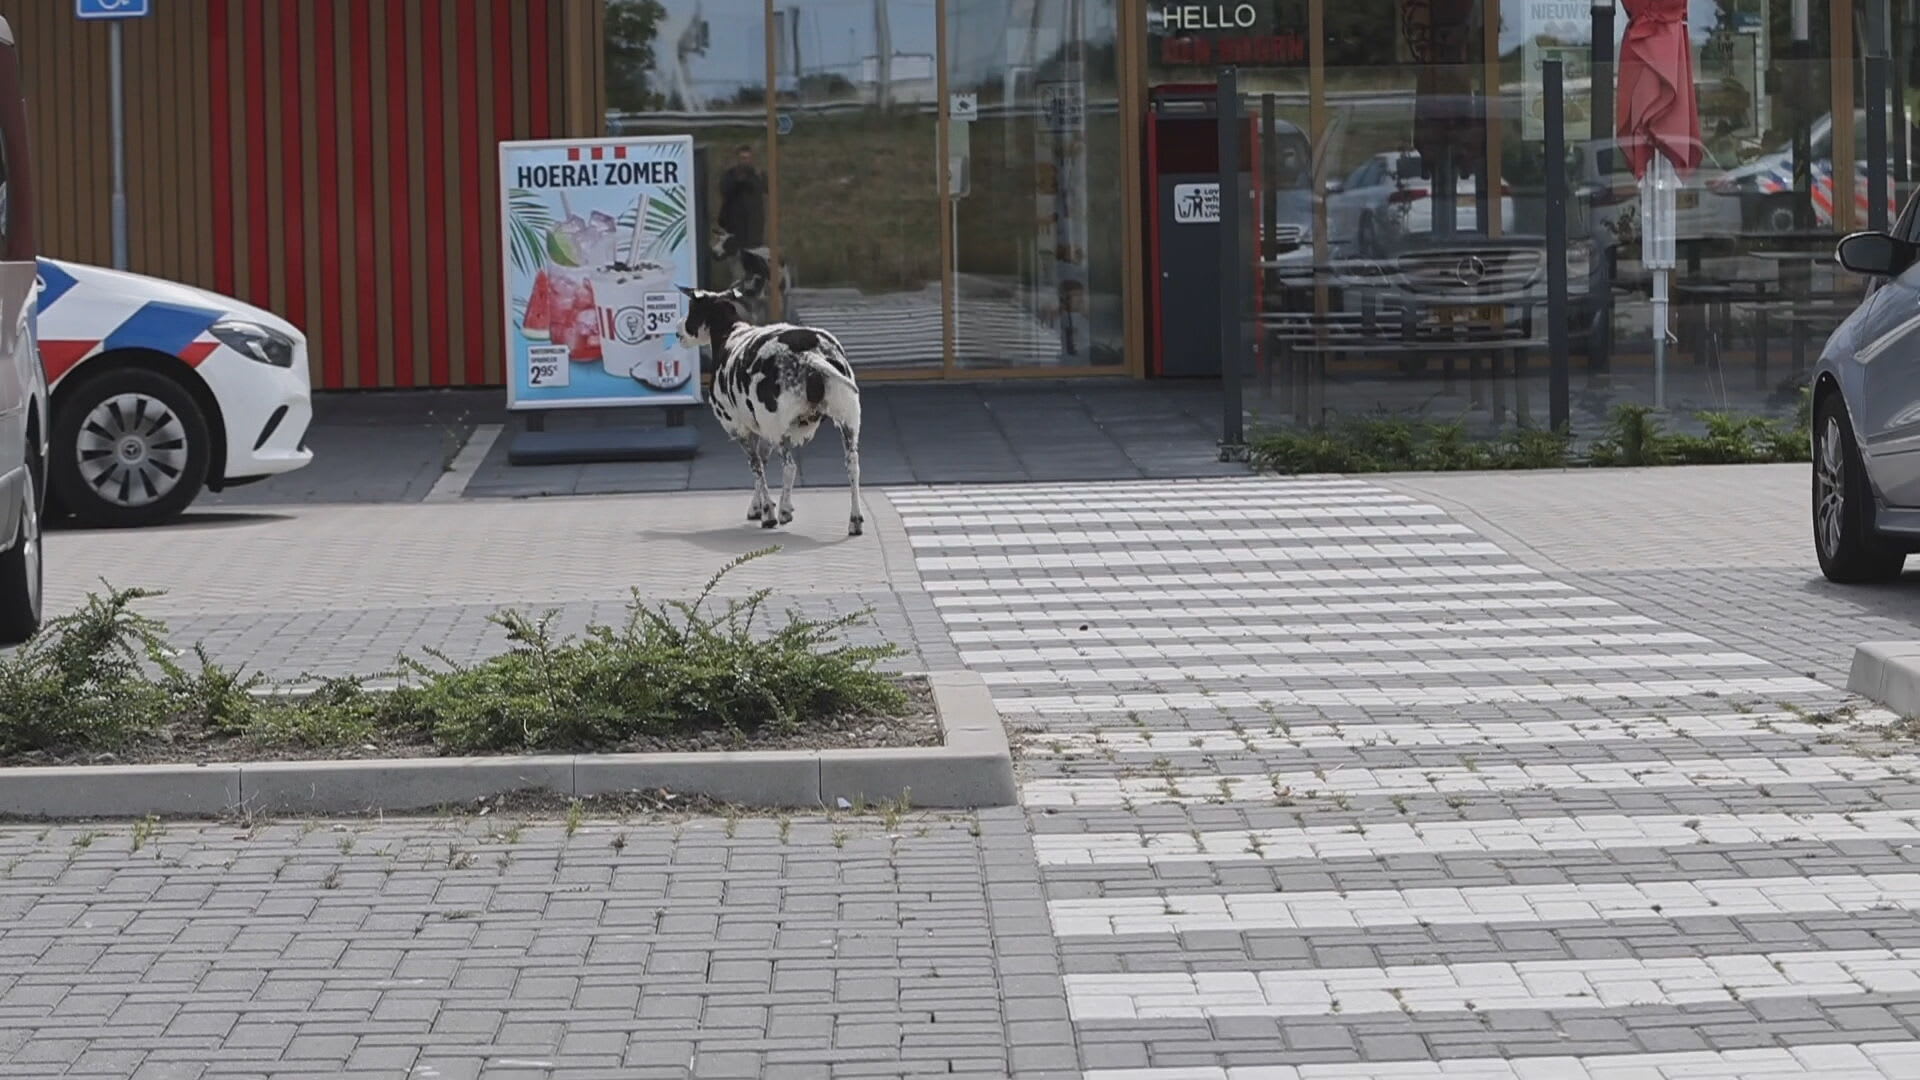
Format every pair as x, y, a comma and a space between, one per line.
1829, 477
132, 449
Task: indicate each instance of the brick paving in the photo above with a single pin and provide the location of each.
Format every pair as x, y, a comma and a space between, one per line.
1503, 776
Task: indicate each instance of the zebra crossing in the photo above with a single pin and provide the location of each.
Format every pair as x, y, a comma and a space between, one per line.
1322, 784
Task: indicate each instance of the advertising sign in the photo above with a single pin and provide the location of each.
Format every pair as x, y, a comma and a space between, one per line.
597, 236
1063, 106
1574, 63
112, 9
1205, 35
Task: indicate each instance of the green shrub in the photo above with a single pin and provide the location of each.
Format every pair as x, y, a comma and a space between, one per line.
81, 683
1634, 436
104, 677
672, 667
1534, 448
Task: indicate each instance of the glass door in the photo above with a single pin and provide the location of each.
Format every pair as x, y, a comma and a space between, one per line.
1035, 166
857, 191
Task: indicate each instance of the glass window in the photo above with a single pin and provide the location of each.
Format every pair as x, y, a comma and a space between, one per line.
699, 67
1039, 274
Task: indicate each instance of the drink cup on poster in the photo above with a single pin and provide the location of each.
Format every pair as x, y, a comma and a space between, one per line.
635, 322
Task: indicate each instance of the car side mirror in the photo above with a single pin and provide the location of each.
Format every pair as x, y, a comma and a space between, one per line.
1335, 187
1875, 254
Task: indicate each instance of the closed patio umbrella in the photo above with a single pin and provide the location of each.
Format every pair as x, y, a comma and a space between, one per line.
1659, 133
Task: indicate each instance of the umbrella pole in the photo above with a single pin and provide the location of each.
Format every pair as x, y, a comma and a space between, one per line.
1658, 210
1659, 339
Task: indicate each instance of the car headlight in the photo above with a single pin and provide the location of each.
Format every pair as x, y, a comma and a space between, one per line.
255, 342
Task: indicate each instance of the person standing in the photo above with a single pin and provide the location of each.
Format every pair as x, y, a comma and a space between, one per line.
743, 191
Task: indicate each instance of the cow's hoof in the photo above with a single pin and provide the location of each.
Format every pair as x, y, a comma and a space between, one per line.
855, 526
753, 513
786, 516
768, 522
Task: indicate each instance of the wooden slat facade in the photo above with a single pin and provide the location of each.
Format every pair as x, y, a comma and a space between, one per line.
331, 160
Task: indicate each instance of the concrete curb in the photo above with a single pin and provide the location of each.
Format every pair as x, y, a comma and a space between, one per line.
1888, 673
973, 768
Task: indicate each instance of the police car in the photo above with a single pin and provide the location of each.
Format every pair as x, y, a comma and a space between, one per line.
160, 389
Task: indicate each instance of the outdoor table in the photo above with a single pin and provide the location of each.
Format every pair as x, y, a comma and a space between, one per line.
1795, 268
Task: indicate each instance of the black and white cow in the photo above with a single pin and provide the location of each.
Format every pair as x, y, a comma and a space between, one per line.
771, 387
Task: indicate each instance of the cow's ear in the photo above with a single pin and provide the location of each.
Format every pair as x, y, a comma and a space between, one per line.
690, 293
748, 288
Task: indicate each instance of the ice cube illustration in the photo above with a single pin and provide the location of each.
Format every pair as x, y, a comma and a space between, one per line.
600, 238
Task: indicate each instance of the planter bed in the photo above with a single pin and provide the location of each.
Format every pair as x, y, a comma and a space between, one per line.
947, 749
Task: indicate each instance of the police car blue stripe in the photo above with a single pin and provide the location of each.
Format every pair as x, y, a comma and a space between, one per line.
162, 327
58, 282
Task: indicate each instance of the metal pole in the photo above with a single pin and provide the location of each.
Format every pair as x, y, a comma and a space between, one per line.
1558, 403
116, 53
1233, 269
1876, 90
1601, 69
1800, 55
1600, 343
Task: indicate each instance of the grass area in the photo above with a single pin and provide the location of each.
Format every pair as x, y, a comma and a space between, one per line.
104, 678
860, 202
1634, 436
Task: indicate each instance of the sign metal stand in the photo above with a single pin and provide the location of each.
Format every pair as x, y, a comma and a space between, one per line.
114, 13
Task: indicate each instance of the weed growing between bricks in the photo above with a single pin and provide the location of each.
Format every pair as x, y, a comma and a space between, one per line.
103, 680
1634, 436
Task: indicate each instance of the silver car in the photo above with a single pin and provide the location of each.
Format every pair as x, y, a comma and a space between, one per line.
1866, 414
23, 384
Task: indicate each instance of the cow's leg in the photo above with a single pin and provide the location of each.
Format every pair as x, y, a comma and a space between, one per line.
789, 468
850, 443
757, 510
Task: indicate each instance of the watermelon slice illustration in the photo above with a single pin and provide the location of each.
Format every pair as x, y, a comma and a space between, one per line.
534, 326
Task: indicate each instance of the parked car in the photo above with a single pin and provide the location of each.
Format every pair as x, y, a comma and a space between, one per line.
1704, 206
1866, 414
23, 386
162, 389
1764, 185
1379, 205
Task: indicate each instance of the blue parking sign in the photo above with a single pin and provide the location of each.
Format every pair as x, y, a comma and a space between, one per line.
112, 9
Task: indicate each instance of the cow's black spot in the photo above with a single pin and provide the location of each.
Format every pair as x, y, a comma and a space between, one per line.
839, 362
816, 386
768, 388
800, 339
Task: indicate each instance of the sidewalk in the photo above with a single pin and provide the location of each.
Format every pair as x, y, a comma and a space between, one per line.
395, 447
1515, 775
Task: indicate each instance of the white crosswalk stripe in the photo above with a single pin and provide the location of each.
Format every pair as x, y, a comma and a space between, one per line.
1538, 984
1418, 696
1322, 647
1182, 913
1828, 1061
1473, 778
1283, 736
1234, 582
1584, 832
1321, 628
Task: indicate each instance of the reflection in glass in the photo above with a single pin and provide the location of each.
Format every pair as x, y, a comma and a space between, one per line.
1038, 267
859, 207
699, 67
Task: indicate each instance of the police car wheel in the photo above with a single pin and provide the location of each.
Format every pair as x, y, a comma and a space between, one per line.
130, 447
